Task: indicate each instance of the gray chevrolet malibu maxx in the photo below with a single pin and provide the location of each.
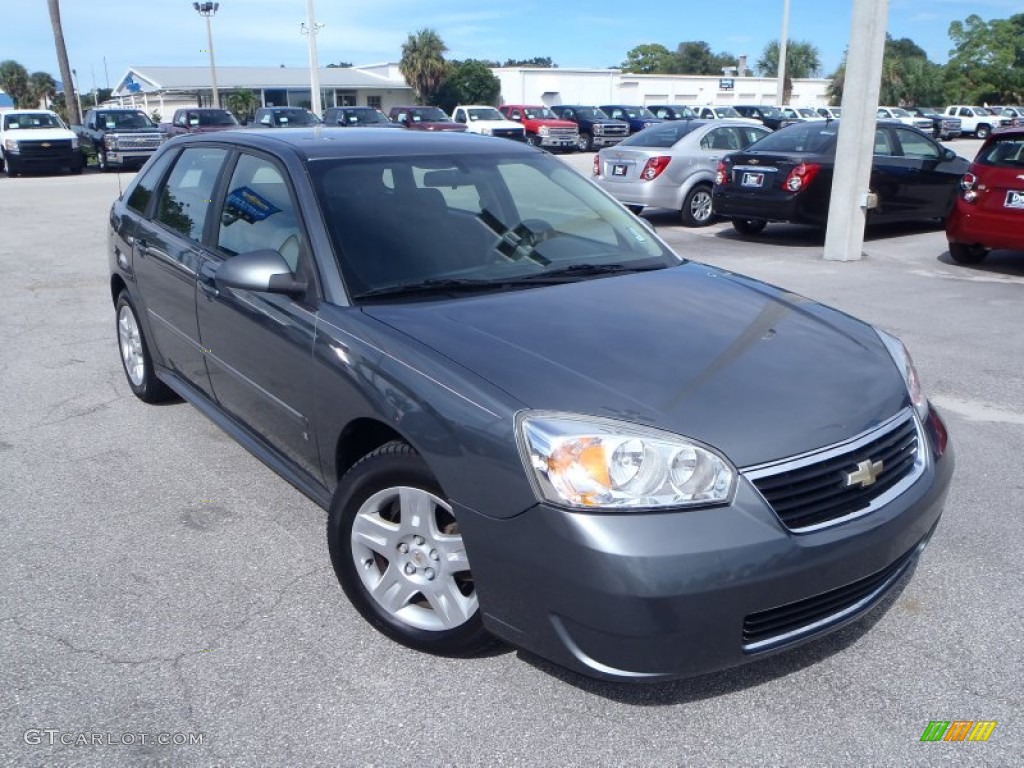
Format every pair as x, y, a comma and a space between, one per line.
526, 416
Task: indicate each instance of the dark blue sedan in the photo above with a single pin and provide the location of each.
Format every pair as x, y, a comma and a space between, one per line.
526, 417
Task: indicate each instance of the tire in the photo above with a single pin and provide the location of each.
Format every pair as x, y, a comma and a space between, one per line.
135, 358
696, 210
585, 142
749, 226
407, 574
533, 140
967, 254
101, 160
8, 168
982, 132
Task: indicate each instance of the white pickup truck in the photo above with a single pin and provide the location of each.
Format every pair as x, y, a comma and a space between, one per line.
903, 116
487, 121
979, 121
37, 140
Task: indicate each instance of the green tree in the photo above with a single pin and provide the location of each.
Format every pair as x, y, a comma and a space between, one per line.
648, 59
340, 65
802, 60
15, 83
468, 82
423, 65
43, 87
540, 62
987, 62
62, 61
908, 77
243, 104
694, 57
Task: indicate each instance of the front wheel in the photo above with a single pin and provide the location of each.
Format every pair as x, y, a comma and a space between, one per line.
101, 160
585, 142
749, 226
533, 140
967, 254
982, 132
8, 169
696, 210
398, 553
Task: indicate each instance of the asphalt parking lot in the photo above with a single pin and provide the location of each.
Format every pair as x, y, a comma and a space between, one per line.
157, 583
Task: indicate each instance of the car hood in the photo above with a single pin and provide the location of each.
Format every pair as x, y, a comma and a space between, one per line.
550, 122
427, 125
757, 372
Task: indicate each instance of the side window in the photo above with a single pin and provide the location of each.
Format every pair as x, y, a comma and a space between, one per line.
883, 143
259, 212
965, 112
721, 139
138, 200
460, 116
881, 113
185, 199
749, 135
916, 145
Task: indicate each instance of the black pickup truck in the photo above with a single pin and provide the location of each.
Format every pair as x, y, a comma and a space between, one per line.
596, 128
119, 137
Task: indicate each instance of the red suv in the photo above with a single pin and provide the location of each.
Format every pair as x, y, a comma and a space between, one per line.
989, 211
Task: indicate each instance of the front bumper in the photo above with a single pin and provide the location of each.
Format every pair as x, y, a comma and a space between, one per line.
50, 161
558, 142
647, 597
128, 157
607, 141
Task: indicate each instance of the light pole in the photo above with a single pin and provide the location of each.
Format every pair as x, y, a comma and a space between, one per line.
310, 28
207, 10
780, 86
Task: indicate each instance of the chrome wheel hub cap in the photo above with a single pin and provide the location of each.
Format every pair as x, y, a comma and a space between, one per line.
411, 559
131, 346
700, 206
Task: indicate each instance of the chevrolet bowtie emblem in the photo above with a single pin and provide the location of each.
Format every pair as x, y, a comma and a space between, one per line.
865, 474
46, 143
754, 161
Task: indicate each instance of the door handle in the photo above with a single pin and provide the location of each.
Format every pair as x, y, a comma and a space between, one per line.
209, 288
143, 246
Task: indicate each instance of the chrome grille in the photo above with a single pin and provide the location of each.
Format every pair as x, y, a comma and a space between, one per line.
562, 131
817, 490
125, 141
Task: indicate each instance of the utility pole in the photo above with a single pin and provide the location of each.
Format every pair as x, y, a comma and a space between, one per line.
851, 195
780, 86
207, 10
310, 28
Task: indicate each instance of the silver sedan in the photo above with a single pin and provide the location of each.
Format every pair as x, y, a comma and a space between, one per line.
673, 165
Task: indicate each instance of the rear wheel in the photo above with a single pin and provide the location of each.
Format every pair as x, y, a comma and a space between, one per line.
135, 357
963, 253
398, 553
696, 210
749, 226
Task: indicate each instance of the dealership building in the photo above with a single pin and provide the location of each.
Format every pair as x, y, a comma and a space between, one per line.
164, 89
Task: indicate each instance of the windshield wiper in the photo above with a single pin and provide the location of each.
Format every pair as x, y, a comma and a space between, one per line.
576, 271
434, 285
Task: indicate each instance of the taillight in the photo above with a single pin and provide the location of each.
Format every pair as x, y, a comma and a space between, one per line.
969, 184
654, 167
721, 174
597, 165
800, 176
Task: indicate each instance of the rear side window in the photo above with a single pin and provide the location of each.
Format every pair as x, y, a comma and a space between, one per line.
1007, 152
138, 200
185, 199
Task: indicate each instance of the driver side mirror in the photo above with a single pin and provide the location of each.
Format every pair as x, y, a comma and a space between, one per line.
262, 271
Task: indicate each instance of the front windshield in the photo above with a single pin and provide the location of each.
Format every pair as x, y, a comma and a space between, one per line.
588, 113
30, 120
816, 137
124, 120
727, 112
662, 135
491, 221
299, 117
770, 111
363, 117
982, 111
805, 112
487, 113
428, 115
539, 113
217, 118
898, 112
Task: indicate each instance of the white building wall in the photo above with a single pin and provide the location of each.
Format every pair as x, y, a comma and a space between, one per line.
523, 85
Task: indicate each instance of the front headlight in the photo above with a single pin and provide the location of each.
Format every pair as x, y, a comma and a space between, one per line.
11, 145
902, 359
74, 142
588, 462
110, 142
543, 130
486, 131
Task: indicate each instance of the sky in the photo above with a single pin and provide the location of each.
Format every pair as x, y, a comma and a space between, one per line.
574, 33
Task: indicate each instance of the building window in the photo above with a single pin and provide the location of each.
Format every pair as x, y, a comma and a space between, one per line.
374, 101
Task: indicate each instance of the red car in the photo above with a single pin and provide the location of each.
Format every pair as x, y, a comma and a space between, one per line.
989, 211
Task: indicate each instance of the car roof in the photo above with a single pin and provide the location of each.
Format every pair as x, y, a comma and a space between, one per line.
328, 142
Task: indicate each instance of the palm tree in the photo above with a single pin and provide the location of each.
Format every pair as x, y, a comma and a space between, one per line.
43, 86
14, 82
243, 103
62, 59
802, 60
423, 65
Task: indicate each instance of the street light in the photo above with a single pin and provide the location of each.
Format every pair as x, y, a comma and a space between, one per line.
310, 27
207, 10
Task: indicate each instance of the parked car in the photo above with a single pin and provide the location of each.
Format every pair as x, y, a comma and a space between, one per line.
787, 176
944, 127
637, 118
487, 121
543, 127
976, 121
284, 117
424, 119
829, 113
1015, 115
989, 211
712, 112
672, 112
357, 117
37, 140
672, 165
119, 137
531, 420
771, 117
596, 129
199, 120
901, 115
802, 113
